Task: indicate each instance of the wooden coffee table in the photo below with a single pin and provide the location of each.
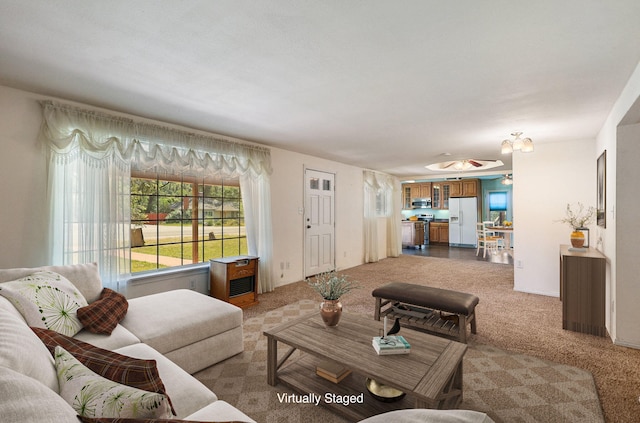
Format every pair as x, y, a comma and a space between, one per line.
431, 375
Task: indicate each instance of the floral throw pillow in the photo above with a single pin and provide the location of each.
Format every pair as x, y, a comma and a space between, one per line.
94, 396
46, 300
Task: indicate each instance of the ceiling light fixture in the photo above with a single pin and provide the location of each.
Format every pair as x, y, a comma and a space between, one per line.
525, 145
507, 180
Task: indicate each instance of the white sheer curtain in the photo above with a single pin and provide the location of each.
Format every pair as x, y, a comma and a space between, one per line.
91, 155
256, 196
381, 200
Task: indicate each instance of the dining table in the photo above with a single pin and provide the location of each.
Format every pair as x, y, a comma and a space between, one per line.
508, 236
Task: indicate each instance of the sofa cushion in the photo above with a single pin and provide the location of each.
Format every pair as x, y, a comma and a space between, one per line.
104, 314
85, 277
46, 299
135, 372
209, 351
186, 392
24, 399
120, 337
89, 393
17, 342
191, 315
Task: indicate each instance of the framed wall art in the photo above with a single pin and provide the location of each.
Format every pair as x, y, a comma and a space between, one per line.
601, 205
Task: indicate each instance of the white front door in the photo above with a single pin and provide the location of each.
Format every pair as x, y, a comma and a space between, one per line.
319, 222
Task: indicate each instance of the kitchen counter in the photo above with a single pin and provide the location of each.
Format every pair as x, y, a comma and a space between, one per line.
413, 233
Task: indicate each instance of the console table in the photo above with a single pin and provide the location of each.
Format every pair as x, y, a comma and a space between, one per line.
582, 290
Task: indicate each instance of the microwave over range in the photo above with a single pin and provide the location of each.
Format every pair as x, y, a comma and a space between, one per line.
421, 203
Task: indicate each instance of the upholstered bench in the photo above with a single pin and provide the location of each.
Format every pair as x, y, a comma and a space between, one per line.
439, 311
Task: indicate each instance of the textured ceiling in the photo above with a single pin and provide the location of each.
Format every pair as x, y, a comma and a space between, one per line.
384, 85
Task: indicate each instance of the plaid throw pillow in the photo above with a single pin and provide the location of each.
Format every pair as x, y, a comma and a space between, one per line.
104, 314
134, 372
123, 420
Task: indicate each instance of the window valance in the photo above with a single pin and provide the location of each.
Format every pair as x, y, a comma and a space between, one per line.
146, 146
91, 156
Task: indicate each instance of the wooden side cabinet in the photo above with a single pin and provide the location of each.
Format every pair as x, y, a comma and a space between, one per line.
582, 290
235, 280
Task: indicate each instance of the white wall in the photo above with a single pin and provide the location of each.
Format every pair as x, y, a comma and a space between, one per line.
627, 292
622, 192
23, 170
25, 216
287, 198
543, 183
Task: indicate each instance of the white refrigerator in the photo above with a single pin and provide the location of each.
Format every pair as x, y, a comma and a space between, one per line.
463, 216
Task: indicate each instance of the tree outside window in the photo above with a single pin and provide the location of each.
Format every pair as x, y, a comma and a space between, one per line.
180, 221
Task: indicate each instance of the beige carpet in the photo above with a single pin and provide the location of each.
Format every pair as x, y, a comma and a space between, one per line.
512, 321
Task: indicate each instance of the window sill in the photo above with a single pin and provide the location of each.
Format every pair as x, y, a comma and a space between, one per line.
151, 276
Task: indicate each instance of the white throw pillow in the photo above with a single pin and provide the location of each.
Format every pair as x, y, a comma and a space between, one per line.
46, 300
92, 395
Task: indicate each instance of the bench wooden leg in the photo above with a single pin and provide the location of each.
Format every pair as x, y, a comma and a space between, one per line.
376, 312
462, 328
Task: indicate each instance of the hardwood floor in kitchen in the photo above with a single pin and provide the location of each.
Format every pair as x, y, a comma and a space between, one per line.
444, 251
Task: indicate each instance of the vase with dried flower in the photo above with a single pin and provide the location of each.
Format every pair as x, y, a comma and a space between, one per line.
331, 287
578, 218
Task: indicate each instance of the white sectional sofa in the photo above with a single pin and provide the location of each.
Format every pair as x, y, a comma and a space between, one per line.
184, 331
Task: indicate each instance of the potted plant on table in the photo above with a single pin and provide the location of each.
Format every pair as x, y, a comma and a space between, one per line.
578, 218
331, 286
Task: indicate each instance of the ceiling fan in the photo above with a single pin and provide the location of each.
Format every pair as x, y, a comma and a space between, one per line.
466, 164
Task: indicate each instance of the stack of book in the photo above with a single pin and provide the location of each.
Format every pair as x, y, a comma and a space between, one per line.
394, 344
332, 371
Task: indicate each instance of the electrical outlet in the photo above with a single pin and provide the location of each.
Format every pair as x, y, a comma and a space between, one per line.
193, 285
519, 264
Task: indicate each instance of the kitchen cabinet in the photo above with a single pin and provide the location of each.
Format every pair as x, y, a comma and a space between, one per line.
582, 290
424, 190
455, 188
470, 187
406, 196
412, 233
464, 188
440, 193
439, 233
414, 190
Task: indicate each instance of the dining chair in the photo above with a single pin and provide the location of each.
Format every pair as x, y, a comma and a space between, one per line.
489, 233
488, 243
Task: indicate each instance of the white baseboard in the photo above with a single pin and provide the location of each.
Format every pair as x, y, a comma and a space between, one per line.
545, 293
623, 343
